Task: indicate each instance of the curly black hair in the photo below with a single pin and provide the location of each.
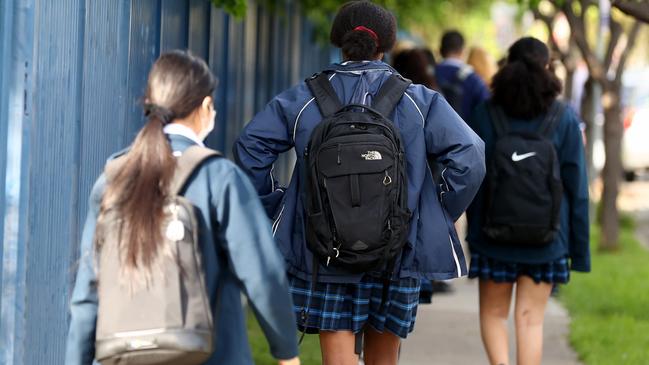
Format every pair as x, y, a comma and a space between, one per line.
526, 85
377, 32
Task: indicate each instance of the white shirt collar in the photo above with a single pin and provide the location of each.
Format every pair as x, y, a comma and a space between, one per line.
454, 62
350, 62
182, 130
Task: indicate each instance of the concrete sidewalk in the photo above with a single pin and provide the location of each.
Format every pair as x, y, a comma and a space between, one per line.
447, 332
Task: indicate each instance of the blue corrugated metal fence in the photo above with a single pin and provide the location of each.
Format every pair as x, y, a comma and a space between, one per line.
72, 73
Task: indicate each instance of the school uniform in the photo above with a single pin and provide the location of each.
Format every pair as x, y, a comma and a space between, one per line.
239, 256
428, 127
570, 249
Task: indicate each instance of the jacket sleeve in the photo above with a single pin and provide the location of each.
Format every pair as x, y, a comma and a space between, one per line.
256, 261
460, 152
80, 344
575, 183
259, 145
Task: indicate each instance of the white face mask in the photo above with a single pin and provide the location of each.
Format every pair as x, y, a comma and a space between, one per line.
209, 128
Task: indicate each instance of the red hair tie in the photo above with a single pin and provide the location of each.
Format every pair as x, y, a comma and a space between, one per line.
361, 28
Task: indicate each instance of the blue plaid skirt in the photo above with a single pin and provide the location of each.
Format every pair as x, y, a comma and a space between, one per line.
483, 267
350, 307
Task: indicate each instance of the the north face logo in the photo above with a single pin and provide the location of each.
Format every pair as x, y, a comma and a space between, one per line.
372, 156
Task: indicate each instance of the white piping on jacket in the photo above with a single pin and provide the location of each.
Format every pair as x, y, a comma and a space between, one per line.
457, 261
360, 72
299, 115
444, 179
276, 223
423, 120
297, 119
365, 97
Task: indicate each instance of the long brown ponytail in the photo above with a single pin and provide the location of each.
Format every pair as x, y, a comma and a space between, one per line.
177, 85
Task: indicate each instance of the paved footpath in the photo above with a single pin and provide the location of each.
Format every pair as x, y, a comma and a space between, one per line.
447, 332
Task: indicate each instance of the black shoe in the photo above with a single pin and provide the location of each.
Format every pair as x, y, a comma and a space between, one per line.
442, 287
425, 297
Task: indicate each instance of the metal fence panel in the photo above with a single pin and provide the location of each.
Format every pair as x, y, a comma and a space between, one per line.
73, 73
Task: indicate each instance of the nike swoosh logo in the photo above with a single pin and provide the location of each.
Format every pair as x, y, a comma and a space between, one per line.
516, 157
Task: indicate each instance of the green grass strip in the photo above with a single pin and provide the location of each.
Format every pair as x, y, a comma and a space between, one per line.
610, 306
309, 350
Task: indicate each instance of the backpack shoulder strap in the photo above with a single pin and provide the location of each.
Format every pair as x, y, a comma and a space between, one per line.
324, 93
113, 166
193, 157
464, 72
498, 119
390, 93
551, 119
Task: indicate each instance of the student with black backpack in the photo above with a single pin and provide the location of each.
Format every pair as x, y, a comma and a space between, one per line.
361, 221
528, 225
458, 82
174, 235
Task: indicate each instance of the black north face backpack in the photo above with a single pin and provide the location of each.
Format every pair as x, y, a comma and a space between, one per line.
524, 188
355, 196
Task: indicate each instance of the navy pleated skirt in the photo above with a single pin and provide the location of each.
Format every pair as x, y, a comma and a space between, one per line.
554, 272
352, 307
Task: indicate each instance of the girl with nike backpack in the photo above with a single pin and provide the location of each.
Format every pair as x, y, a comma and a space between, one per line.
361, 222
528, 225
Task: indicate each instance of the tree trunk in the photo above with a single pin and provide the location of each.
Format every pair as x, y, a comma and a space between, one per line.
588, 116
567, 87
612, 172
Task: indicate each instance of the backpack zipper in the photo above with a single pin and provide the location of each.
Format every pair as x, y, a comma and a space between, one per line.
338, 151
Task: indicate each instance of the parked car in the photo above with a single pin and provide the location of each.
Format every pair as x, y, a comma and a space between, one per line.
635, 143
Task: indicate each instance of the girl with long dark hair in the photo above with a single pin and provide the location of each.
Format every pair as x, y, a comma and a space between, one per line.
344, 304
524, 104
235, 240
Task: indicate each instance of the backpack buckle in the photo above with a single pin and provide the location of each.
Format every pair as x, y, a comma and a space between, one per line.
336, 249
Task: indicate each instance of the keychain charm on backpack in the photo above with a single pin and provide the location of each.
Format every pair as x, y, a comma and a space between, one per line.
175, 230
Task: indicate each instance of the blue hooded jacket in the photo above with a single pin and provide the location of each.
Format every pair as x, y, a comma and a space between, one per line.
238, 253
428, 126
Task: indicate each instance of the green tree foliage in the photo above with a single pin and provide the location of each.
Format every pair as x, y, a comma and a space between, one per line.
426, 15
234, 7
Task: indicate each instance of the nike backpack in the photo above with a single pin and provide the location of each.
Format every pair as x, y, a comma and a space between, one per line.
168, 320
524, 188
356, 182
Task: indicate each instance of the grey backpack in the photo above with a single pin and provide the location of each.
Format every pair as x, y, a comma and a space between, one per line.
168, 321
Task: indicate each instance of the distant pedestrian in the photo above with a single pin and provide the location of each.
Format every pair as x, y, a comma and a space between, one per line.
461, 86
528, 225
361, 221
482, 63
174, 235
415, 64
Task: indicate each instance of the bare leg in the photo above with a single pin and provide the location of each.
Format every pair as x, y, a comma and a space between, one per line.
495, 299
338, 348
381, 348
531, 300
